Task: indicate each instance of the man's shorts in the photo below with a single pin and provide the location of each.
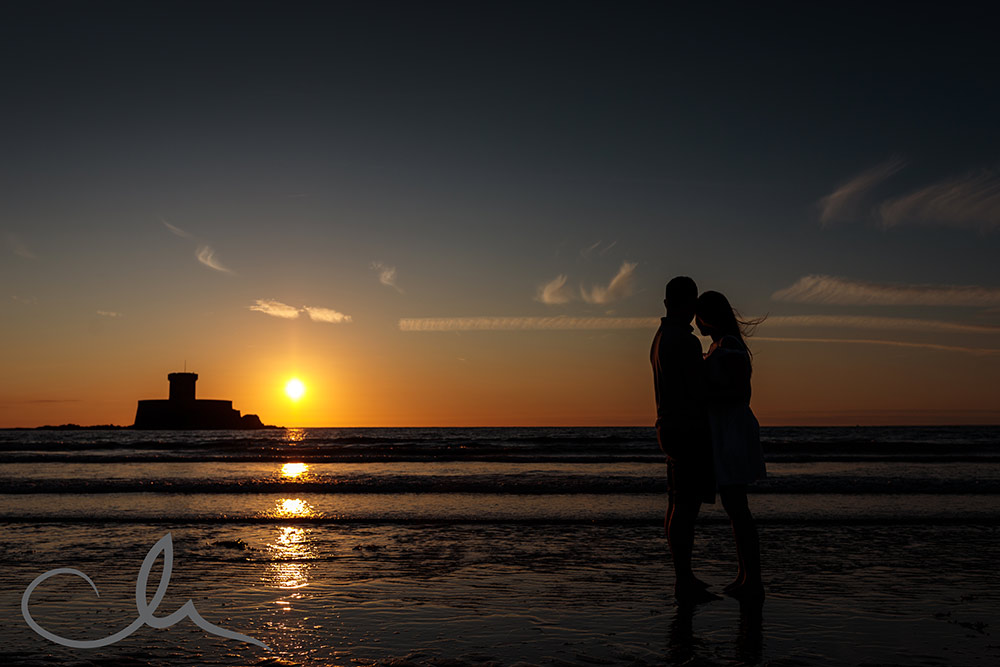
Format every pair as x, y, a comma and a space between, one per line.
690, 481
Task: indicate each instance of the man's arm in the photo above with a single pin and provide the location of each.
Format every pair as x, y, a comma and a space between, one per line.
693, 365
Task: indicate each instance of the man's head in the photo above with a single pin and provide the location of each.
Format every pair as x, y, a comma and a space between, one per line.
681, 298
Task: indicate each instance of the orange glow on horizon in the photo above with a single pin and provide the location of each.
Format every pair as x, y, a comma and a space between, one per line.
510, 379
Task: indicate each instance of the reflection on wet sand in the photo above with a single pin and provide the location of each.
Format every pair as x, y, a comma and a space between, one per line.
750, 636
290, 554
684, 647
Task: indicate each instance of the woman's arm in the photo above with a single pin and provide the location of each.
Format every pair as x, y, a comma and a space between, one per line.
728, 374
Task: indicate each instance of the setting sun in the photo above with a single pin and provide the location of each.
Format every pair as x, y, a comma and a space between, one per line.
295, 389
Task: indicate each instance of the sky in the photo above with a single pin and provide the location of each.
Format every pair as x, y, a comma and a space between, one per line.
444, 214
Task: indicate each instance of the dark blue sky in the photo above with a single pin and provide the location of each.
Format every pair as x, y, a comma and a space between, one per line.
487, 151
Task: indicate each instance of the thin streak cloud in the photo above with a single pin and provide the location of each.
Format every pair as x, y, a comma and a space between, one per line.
587, 252
526, 323
844, 291
206, 255
844, 203
622, 285
563, 323
891, 343
971, 201
876, 323
275, 309
555, 291
387, 275
109, 313
327, 315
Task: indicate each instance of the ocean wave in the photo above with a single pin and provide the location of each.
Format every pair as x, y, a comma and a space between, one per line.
473, 484
784, 443
903, 520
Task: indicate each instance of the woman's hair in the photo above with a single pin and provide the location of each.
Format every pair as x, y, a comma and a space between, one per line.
715, 313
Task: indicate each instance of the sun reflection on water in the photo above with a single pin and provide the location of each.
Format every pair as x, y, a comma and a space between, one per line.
294, 470
294, 436
292, 507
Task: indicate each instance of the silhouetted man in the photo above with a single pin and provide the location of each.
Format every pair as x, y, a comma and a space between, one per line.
682, 431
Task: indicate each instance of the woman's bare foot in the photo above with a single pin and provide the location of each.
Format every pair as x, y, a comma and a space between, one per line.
747, 591
691, 593
739, 581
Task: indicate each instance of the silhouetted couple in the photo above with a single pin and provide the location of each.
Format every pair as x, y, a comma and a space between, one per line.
705, 427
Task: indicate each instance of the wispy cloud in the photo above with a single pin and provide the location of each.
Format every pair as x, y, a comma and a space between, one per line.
844, 203
526, 323
206, 255
387, 275
203, 252
284, 311
844, 291
875, 323
24, 299
176, 230
275, 309
982, 351
109, 313
554, 291
326, 315
969, 201
19, 248
620, 286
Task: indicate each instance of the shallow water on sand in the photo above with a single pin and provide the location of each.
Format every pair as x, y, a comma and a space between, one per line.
483, 508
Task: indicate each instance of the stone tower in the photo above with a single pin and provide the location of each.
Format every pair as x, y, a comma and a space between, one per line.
182, 386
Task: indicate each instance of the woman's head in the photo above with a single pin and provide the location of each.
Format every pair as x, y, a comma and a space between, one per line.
717, 318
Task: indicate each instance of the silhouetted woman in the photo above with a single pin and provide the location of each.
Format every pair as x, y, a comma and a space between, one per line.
735, 432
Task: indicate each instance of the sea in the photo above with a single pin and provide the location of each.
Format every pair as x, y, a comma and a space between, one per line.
495, 546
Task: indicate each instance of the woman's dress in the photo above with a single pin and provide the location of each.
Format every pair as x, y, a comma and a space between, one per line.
735, 431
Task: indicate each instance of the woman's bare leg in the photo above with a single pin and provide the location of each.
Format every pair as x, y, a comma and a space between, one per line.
748, 581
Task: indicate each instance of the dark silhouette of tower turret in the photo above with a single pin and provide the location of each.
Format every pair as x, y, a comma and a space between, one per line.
183, 411
182, 386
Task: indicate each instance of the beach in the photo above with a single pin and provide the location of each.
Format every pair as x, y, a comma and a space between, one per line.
405, 565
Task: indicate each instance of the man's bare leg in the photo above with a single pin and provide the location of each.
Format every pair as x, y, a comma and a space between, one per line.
680, 535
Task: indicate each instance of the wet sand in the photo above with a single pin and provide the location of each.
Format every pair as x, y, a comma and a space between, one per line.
422, 594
